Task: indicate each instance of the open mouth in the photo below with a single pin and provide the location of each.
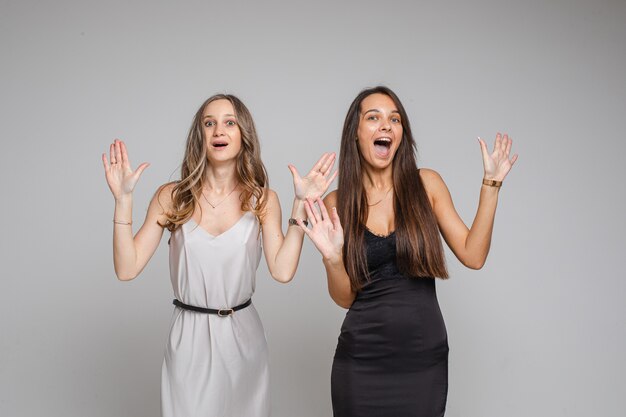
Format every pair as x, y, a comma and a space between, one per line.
219, 144
382, 146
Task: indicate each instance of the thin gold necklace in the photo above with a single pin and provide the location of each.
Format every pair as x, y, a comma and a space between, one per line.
385, 196
215, 205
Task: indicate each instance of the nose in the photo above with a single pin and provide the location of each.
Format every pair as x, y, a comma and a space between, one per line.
218, 130
385, 126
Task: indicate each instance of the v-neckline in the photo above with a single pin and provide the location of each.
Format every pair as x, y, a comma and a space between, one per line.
224, 232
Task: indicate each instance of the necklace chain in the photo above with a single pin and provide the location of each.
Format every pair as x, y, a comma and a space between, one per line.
225, 198
385, 196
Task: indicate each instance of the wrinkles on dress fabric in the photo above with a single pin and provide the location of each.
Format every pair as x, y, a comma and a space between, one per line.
215, 366
395, 325
392, 352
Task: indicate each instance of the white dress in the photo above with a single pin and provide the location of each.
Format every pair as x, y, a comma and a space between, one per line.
215, 366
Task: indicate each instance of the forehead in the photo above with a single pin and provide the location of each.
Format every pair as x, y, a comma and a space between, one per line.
218, 107
378, 101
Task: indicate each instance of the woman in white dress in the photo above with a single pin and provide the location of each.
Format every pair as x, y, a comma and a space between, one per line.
216, 359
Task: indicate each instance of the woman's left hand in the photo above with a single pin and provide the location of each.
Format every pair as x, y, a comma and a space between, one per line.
317, 181
497, 164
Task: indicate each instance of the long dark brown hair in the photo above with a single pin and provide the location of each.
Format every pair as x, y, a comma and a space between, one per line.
419, 252
251, 172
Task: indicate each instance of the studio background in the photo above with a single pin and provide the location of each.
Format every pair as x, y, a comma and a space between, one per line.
539, 331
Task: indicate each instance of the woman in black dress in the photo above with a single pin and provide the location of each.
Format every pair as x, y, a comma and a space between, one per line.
392, 353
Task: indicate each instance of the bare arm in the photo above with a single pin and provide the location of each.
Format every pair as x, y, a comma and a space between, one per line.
327, 235
470, 246
131, 254
282, 252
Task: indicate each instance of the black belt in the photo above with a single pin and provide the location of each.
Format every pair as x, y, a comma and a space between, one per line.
223, 312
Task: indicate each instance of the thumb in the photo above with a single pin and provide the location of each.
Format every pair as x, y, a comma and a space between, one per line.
294, 171
140, 169
483, 148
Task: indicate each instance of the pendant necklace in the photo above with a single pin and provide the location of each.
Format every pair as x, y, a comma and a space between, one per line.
215, 205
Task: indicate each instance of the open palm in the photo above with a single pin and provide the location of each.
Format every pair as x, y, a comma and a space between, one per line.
119, 175
497, 164
317, 181
326, 232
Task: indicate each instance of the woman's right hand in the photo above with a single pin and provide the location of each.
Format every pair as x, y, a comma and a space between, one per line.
119, 175
326, 232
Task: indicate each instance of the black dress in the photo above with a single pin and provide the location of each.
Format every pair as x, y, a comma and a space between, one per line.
392, 354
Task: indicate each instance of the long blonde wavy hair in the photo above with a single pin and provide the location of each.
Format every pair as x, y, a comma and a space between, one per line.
251, 172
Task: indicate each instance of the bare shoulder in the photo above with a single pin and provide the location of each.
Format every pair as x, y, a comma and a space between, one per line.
331, 199
433, 184
431, 179
271, 198
272, 205
429, 176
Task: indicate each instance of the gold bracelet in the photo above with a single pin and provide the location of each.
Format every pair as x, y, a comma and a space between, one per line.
124, 223
492, 183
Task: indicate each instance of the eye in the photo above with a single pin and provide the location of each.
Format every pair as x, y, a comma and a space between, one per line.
231, 123
209, 123
395, 119
372, 117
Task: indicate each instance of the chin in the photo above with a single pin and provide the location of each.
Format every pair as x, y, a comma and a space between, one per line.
220, 159
379, 164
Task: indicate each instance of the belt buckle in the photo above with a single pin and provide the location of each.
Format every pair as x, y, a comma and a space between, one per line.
225, 312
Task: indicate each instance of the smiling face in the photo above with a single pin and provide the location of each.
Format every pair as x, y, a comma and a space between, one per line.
380, 130
221, 131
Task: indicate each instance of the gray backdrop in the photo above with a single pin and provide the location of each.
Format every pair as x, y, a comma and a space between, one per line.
539, 331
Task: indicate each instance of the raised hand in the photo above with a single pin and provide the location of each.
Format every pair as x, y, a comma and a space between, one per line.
119, 174
317, 181
326, 232
497, 164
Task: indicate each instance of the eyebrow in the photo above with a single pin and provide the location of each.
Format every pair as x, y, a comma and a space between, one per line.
210, 115
378, 111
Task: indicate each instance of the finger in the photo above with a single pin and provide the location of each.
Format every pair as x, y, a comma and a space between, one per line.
330, 162
323, 210
332, 178
125, 160
513, 159
118, 152
498, 145
105, 162
335, 219
316, 212
112, 152
320, 162
309, 213
507, 148
303, 227
294, 171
